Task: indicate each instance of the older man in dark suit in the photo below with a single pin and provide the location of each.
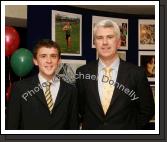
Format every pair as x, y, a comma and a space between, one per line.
120, 97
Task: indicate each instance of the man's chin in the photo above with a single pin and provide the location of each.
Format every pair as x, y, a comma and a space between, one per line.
106, 55
50, 73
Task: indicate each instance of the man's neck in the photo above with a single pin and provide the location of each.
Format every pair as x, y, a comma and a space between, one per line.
48, 78
109, 61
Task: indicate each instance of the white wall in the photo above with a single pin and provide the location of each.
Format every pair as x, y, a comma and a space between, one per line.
16, 15
16, 11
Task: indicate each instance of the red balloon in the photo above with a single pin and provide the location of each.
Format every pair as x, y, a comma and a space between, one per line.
12, 40
8, 92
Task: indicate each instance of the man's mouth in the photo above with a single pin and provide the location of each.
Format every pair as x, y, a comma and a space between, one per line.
106, 48
48, 67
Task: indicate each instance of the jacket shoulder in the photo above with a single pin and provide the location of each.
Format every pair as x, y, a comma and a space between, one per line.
132, 68
67, 84
26, 81
88, 66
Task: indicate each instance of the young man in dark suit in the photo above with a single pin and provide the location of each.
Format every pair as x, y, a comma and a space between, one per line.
44, 101
116, 95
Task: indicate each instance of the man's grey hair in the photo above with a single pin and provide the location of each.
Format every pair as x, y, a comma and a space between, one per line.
107, 24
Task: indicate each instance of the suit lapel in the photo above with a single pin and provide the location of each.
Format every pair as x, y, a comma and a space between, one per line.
40, 95
120, 78
94, 69
61, 93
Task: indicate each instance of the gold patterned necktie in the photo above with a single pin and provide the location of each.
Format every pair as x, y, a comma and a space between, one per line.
107, 90
48, 97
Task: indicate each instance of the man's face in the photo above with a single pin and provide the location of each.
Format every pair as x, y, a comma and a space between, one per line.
47, 60
106, 42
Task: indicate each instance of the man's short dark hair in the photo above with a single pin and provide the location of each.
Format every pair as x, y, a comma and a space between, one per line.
46, 43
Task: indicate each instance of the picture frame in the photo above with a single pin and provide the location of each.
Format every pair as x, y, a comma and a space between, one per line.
122, 23
122, 55
146, 59
67, 31
146, 34
67, 69
153, 91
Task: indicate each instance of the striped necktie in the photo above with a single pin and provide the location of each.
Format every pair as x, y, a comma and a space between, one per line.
48, 97
107, 91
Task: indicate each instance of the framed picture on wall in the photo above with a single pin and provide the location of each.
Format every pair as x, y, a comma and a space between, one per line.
122, 55
67, 69
153, 90
123, 25
67, 31
146, 37
146, 59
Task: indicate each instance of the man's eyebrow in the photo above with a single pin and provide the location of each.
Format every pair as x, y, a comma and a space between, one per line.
43, 54
56, 54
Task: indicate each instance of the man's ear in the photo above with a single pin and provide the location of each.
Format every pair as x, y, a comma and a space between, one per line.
59, 61
35, 61
119, 43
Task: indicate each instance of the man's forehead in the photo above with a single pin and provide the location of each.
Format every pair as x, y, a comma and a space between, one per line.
46, 50
106, 29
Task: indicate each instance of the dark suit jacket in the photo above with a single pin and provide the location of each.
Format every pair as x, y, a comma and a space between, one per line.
124, 112
34, 114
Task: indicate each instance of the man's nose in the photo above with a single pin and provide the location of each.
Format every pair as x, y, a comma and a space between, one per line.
105, 41
48, 59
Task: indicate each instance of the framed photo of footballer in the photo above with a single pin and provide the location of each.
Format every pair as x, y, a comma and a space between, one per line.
146, 37
123, 25
67, 31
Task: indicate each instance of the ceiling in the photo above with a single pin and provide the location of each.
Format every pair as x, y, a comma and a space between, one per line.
128, 9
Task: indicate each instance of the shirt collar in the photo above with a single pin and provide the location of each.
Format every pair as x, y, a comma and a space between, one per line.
43, 80
114, 65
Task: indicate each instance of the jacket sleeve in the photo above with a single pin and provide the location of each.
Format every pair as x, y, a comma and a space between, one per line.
13, 109
146, 101
81, 94
73, 119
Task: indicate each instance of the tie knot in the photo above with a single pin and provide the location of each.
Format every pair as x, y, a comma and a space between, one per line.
107, 70
48, 84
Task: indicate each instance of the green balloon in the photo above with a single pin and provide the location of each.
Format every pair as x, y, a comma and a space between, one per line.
22, 62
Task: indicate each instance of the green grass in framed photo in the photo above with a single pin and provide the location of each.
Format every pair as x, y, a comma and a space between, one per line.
66, 31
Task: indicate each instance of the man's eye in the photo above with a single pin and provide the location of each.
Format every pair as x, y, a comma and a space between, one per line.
110, 37
42, 56
99, 37
54, 56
